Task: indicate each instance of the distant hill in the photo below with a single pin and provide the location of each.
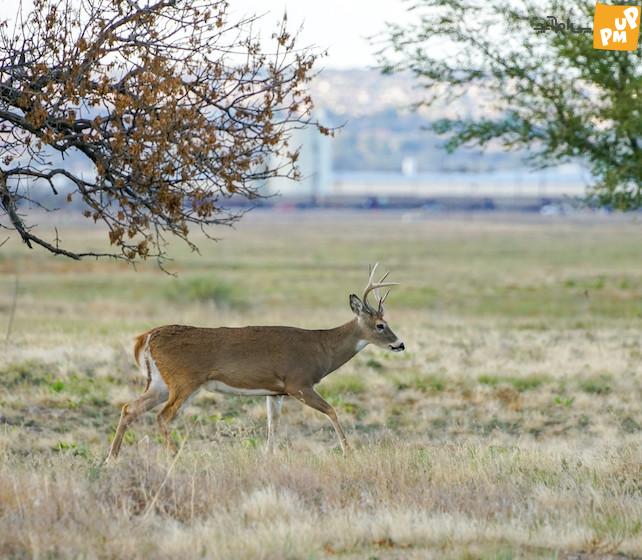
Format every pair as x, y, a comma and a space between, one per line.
380, 131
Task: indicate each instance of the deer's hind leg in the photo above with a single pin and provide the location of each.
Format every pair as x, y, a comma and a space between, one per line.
177, 398
152, 397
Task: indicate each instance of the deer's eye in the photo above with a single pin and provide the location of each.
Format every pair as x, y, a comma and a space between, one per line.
380, 327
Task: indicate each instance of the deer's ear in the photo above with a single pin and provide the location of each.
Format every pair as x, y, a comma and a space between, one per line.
356, 304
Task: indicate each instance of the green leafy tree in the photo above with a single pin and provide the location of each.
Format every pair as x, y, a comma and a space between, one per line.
548, 92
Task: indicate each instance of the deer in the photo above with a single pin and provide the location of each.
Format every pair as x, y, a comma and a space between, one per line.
273, 361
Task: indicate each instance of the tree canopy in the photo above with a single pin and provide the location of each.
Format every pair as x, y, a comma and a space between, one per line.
548, 92
152, 113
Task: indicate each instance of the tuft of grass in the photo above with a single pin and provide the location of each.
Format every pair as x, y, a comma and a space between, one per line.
490, 380
499, 425
630, 425
374, 364
427, 383
75, 449
205, 289
29, 372
340, 384
521, 384
529, 382
566, 402
597, 385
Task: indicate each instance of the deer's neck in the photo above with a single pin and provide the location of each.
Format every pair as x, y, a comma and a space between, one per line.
341, 344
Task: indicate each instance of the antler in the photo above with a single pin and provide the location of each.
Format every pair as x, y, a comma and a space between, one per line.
375, 286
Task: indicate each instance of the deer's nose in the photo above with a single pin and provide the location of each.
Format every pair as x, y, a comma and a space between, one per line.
398, 347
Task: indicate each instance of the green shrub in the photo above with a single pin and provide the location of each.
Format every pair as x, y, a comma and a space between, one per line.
58, 386
204, 289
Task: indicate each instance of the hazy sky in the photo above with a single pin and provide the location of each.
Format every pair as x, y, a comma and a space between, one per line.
340, 26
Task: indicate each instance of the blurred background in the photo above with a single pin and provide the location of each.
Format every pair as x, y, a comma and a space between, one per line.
382, 154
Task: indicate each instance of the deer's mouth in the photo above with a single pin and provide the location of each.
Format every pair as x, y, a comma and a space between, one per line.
397, 347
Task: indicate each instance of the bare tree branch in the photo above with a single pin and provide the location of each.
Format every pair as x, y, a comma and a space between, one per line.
169, 107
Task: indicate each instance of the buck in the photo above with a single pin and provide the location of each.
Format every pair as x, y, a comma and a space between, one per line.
179, 360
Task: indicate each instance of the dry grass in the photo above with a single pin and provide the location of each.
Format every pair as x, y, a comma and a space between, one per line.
226, 501
510, 429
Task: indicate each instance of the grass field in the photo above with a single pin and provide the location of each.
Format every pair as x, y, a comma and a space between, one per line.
510, 428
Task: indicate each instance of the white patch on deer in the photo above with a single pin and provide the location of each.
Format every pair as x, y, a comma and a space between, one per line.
220, 387
361, 345
149, 368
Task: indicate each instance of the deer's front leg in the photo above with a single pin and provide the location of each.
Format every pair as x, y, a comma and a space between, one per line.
130, 412
310, 397
273, 416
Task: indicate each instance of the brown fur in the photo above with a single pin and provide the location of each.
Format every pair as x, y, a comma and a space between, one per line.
277, 360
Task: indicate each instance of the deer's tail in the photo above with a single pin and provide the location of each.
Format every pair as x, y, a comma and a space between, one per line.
141, 344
